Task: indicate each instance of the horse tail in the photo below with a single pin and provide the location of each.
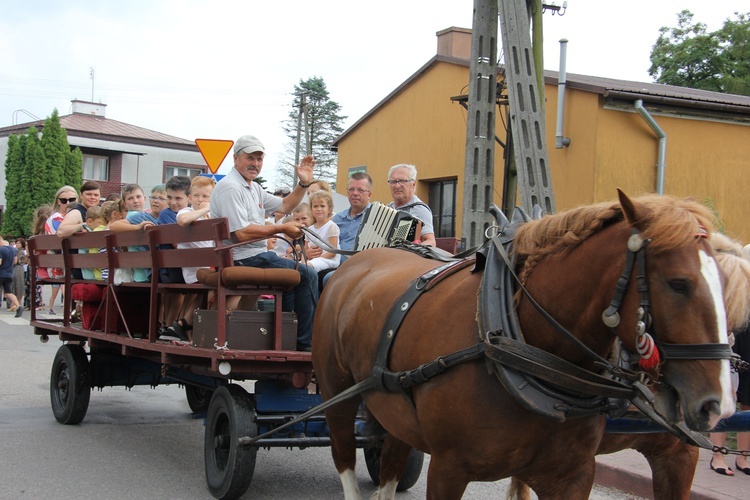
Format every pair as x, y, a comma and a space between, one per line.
518, 490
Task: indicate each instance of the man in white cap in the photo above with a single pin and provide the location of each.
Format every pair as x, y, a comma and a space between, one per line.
245, 204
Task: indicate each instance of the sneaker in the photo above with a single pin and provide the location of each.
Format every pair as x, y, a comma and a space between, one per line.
168, 337
19, 312
178, 330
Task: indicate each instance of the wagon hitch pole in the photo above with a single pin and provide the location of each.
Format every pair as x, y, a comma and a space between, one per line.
354, 390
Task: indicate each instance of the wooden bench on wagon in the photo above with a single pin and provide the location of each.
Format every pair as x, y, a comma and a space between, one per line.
130, 309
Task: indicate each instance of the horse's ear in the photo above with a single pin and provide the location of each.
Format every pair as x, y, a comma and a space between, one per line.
629, 209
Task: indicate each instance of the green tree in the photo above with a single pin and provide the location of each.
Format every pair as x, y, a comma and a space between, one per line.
35, 172
14, 161
54, 143
689, 56
321, 125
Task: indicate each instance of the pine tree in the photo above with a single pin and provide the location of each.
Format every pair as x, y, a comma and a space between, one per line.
320, 128
74, 168
13, 165
34, 174
54, 143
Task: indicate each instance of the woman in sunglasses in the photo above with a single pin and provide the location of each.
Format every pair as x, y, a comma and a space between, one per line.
65, 196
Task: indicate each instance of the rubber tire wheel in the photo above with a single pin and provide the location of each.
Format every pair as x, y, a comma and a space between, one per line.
70, 384
229, 466
198, 398
412, 471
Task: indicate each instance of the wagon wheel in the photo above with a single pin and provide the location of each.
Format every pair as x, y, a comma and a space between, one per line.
70, 384
198, 398
412, 471
229, 466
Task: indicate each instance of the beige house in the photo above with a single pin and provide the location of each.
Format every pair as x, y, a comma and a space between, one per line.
705, 144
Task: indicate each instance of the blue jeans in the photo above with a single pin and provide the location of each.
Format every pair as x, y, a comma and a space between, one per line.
302, 299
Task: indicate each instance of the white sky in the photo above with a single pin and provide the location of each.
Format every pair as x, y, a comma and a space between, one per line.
221, 69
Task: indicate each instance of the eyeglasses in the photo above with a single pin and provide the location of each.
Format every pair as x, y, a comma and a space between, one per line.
67, 200
357, 190
157, 198
400, 182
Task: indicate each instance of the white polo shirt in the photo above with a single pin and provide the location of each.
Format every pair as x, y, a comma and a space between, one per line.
243, 203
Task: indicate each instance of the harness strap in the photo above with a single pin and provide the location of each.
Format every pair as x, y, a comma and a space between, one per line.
405, 380
550, 368
399, 311
695, 351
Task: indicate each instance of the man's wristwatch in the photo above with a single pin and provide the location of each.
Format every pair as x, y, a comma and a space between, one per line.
303, 185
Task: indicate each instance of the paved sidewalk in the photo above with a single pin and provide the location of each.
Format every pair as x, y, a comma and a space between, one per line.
628, 471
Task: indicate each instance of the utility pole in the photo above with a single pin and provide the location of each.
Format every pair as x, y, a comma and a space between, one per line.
480, 128
302, 111
526, 98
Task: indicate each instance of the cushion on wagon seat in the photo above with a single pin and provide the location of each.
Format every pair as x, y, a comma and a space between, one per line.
234, 277
88, 292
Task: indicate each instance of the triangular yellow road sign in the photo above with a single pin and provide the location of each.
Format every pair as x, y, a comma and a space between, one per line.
214, 151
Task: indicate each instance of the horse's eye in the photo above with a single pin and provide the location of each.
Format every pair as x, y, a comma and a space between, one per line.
679, 286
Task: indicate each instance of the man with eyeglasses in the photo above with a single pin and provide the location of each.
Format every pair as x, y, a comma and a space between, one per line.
359, 190
402, 179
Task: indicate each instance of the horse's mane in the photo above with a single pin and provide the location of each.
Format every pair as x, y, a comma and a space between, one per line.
668, 222
736, 266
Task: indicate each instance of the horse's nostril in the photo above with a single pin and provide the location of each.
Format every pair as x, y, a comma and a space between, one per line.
712, 406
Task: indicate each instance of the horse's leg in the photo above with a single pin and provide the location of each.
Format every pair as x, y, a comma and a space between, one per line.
672, 464
340, 419
443, 482
393, 460
568, 488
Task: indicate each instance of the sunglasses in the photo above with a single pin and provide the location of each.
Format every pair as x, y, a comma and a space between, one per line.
67, 200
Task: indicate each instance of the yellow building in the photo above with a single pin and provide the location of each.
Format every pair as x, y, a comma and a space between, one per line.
706, 153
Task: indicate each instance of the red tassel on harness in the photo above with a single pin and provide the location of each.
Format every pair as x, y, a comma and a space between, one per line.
649, 353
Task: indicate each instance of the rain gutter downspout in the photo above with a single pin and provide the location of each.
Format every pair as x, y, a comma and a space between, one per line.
661, 162
561, 141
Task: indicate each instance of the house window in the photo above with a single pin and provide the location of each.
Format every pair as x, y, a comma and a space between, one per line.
443, 206
190, 172
95, 168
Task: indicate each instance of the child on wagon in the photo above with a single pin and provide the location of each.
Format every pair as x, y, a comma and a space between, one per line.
322, 209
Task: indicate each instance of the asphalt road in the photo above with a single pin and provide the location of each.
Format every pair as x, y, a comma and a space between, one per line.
140, 443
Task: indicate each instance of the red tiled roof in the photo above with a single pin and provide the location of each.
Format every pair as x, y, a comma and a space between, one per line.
98, 127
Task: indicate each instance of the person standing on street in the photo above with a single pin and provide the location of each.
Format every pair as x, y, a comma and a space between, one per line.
8, 259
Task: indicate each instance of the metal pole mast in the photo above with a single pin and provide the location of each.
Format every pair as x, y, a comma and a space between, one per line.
299, 136
480, 130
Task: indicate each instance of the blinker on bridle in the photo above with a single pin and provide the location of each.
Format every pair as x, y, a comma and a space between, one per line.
651, 351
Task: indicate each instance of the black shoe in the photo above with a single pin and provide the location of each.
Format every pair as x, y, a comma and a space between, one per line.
19, 312
179, 330
720, 470
304, 348
746, 470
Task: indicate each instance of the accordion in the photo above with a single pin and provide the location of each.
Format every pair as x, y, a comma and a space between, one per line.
382, 224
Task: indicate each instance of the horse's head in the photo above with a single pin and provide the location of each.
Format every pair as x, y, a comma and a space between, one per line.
680, 323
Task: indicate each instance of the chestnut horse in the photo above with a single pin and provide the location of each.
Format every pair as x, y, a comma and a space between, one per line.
473, 429
673, 461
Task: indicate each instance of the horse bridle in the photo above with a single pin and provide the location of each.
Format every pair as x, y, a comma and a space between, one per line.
648, 345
